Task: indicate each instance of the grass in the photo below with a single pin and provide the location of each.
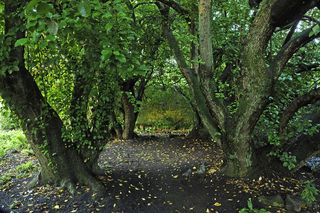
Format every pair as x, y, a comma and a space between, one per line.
5, 178
21, 171
25, 167
12, 139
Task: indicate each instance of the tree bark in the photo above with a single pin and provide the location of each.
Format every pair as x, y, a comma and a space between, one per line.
59, 161
130, 117
116, 126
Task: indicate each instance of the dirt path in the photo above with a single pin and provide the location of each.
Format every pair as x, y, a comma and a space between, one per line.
150, 174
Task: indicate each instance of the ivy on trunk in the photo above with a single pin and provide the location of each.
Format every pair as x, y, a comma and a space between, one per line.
60, 162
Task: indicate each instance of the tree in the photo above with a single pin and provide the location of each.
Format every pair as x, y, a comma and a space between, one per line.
143, 51
233, 119
67, 149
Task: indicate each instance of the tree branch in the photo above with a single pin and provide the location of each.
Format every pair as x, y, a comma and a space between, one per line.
291, 32
178, 8
205, 41
304, 100
226, 73
173, 43
290, 48
311, 19
307, 67
285, 12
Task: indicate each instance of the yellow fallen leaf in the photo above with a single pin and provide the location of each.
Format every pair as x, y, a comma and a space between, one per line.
175, 176
217, 204
212, 170
208, 211
56, 207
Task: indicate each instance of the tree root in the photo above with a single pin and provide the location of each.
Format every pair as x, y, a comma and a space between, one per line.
35, 181
69, 185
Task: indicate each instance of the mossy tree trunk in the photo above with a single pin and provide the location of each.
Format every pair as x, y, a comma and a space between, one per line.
60, 163
234, 129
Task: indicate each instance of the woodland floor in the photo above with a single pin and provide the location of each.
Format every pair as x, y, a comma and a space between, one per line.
145, 175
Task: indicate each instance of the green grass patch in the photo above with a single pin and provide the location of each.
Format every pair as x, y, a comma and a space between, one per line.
12, 139
21, 171
5, 178
25, 167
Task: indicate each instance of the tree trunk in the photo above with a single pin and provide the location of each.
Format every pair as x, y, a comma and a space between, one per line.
238, 153
198, 130
59, 161
116, 126
130, 117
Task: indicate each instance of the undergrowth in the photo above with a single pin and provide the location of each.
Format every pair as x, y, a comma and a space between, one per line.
12, 140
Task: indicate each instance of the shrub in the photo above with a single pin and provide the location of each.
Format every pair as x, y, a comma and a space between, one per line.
251, 209
309, 193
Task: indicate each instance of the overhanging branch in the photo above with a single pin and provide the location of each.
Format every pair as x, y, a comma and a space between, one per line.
178, 8
304, 100
173, 43
290, 48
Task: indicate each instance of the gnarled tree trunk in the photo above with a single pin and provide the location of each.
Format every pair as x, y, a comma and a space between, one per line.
235, 129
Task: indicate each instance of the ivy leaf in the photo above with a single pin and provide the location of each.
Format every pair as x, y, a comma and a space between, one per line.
84, 9
21, 42
53, 27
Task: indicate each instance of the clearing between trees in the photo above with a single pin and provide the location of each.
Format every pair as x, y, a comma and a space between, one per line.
163, 173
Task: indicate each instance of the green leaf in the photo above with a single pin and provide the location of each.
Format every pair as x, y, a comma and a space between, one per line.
21, 42
1, 7
121, 58
250, 206
31, 5
43, 44
108, 26
53, 27
315, 30
44, 8
105, 54
84, 9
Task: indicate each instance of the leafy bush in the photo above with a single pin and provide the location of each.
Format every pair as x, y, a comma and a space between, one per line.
13, 139
288, 161
309, 193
